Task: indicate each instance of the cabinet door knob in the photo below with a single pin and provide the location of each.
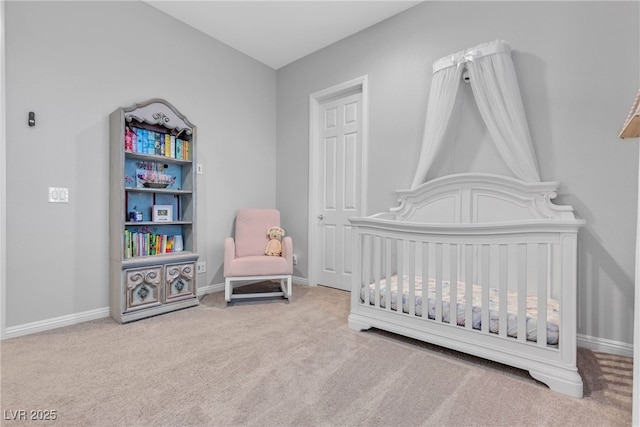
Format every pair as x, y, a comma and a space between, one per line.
320, 217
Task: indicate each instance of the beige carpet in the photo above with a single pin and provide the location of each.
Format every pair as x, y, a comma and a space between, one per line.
277, 363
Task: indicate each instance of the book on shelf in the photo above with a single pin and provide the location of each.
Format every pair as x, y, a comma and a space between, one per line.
144, 244
178, 148
167, 145
144, 141
157, 144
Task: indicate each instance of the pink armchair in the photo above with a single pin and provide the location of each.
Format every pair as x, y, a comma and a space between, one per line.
244, 257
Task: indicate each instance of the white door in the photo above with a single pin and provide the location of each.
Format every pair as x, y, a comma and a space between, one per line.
338, 192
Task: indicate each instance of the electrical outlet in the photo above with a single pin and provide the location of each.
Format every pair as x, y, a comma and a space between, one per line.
201, 267
295, 259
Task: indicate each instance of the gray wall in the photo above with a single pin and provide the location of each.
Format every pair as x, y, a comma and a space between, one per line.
73, 63
578, 69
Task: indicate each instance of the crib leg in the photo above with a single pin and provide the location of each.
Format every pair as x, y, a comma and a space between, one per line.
568, 382
357, 325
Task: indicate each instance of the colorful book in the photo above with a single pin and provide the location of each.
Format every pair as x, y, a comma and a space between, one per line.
178, 148
127, 139
167, 145
134, 139
141, 138
151, 142
157, 149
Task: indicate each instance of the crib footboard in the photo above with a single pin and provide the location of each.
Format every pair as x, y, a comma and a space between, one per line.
504, 291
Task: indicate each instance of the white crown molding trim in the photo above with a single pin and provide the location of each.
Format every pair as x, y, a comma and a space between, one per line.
55, 322
604, 345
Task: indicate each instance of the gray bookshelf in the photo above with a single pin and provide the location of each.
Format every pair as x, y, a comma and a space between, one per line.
152, 211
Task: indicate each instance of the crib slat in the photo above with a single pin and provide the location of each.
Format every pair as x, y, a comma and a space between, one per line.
438, 316
502, 290
388, 273
485, 285
553, 281
378, 257
542, 294
522, 293
453, 284
366, 266
468, 280
411, 254
400, 274
425, 280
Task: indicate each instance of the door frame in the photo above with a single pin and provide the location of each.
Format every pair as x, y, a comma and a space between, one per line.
316, 99
3, 179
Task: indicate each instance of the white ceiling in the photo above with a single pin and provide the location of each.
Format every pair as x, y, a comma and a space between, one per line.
277, 33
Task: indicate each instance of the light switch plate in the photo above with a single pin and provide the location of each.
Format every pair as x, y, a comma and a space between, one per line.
58, 195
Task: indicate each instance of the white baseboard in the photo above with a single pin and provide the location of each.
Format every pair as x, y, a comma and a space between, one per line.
209, 289
300, 281
55, 322
592, 343
73, 319
604, 345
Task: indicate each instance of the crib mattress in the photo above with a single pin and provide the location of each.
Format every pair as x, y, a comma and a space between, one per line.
553, 312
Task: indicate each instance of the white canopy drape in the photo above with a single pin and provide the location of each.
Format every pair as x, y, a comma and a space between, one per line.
495, 89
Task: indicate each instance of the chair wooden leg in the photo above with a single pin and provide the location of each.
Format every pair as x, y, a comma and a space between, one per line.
228, 289
286, 290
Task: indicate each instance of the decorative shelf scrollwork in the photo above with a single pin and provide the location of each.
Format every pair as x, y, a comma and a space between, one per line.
161, 118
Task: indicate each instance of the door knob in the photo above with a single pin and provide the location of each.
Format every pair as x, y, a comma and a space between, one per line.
320, 217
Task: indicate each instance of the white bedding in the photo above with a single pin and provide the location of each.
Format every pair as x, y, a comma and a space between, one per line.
553, 312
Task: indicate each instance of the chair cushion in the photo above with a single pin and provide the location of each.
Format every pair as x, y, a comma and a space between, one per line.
251, 230
258, 265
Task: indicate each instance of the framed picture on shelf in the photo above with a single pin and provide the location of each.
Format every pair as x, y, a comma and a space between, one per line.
162, 213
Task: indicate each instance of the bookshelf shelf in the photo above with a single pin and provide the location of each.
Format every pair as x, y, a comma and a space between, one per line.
153, 224
154, 259
152, 263
154, 158
157, 190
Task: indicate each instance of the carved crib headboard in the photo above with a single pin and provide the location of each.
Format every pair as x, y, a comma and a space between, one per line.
473, 198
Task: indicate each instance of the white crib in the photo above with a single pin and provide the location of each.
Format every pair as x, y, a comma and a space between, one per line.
479, 263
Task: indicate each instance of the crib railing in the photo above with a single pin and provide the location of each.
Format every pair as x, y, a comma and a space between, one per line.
487, 265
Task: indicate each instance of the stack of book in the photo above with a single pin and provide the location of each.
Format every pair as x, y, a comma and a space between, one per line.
145, 141
145, 244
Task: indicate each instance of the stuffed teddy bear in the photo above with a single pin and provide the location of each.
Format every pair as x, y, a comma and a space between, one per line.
274, 247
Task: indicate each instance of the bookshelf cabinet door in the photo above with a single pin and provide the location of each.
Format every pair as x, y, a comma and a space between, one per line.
143, 287
180, 281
